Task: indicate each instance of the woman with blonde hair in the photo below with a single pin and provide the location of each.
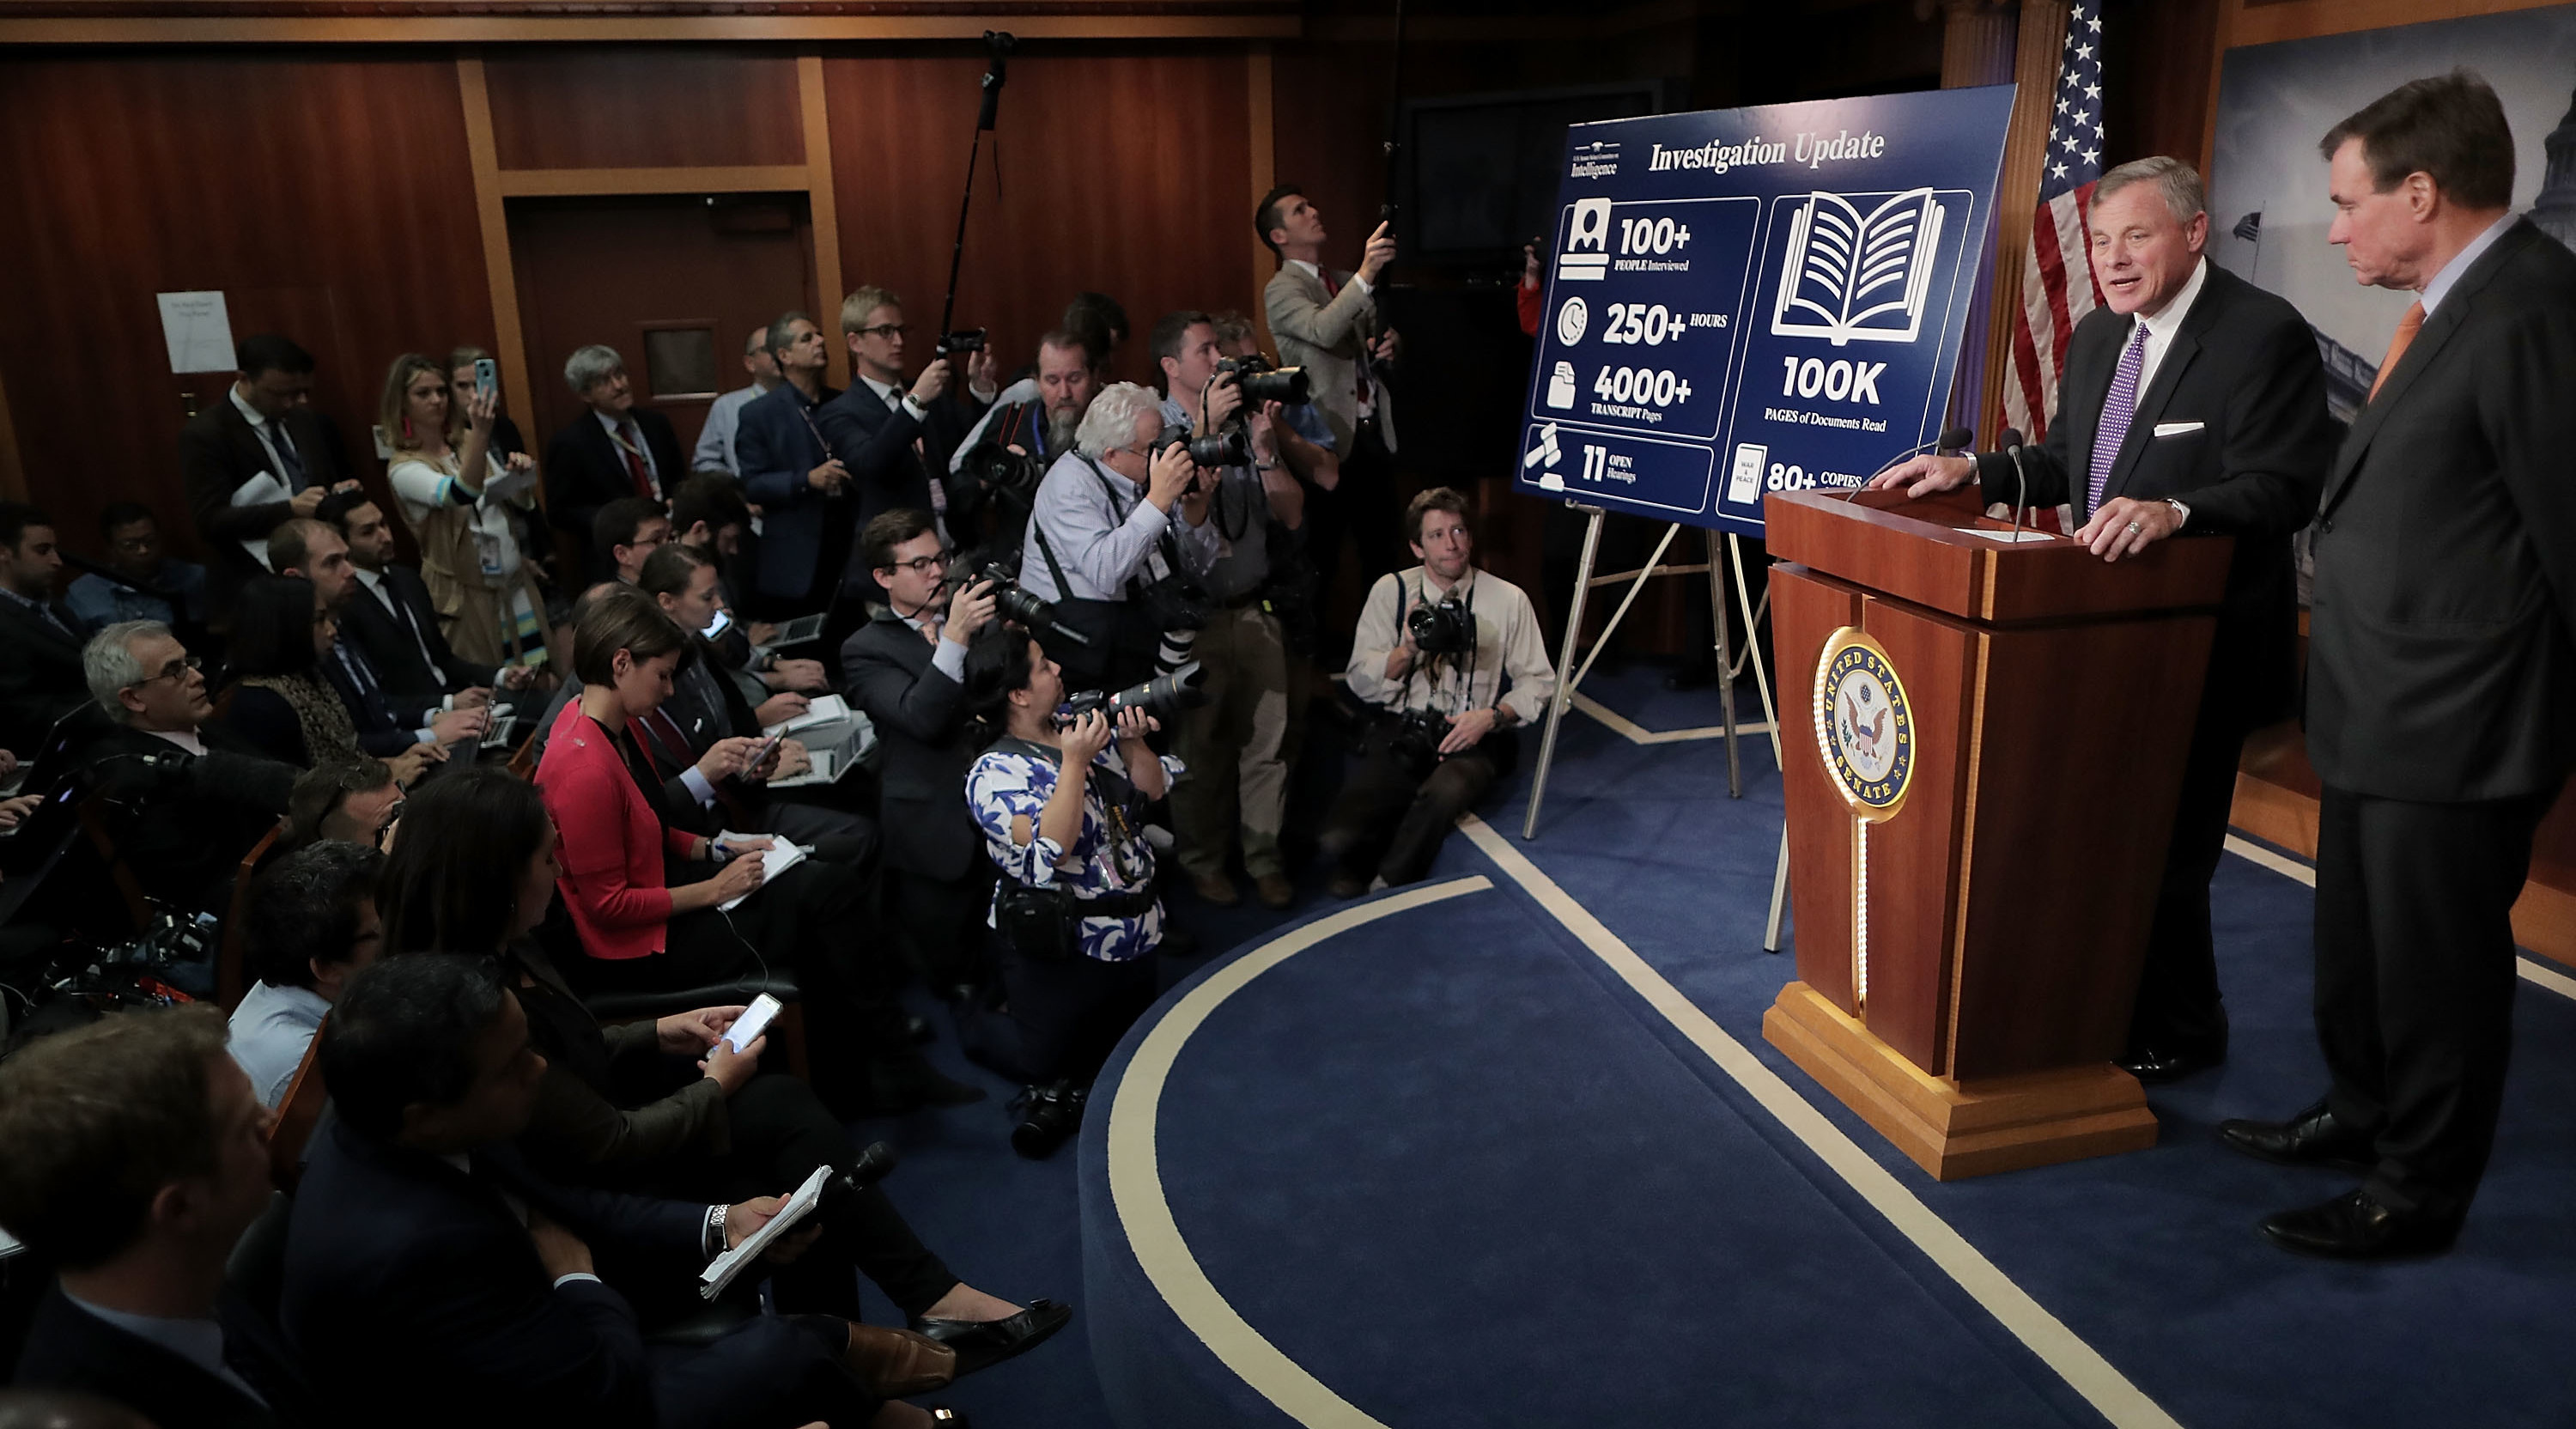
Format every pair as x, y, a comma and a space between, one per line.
457, 493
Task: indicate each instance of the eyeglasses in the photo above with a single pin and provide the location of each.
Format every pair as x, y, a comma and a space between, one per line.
136, 544
175, 670
886, 330
920, 565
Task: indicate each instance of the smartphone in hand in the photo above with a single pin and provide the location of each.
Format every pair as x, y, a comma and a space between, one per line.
487, 376
747, 1028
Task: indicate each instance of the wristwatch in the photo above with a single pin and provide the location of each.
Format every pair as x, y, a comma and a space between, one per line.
712, 1238
2181, 512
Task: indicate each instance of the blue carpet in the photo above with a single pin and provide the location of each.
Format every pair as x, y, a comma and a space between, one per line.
1454, 1168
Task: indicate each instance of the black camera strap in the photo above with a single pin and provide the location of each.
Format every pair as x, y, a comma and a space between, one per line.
1406, 598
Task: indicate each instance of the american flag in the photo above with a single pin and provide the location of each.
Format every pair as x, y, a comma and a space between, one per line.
2057, 287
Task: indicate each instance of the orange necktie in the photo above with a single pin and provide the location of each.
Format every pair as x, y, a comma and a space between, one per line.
2407, 327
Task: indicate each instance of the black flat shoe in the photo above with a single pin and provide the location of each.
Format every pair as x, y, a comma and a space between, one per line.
2359, 1226
981, 1344
2154, 1064
2312, 1138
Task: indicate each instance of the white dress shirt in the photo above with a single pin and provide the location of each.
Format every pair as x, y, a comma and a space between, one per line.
2162, 327
269, 437
617, 438
270, 1031
1509, 647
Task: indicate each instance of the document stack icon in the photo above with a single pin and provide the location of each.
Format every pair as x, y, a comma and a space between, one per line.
1560, 386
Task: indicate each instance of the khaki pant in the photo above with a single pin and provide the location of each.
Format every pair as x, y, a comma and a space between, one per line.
1235, 747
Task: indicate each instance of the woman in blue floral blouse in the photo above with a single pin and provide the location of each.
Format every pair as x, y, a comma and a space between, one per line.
1075, 906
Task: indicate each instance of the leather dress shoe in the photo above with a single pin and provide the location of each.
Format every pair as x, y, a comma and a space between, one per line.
1275, 890
1347, 885
2155, 1063
897, 1364
1215, 889
2312, 1138
2359, 1226
982, 1344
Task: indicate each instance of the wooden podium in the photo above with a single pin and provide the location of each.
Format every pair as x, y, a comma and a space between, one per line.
1984, 742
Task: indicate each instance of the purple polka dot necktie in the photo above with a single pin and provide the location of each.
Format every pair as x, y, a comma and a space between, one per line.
2118, 406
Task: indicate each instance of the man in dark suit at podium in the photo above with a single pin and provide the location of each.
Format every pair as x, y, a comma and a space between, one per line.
2439, 668
2193, 403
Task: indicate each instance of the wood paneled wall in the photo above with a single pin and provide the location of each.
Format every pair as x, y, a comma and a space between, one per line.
639, 106
1119, 172
325, 192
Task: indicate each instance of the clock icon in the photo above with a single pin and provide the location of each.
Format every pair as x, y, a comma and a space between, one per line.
1571, 320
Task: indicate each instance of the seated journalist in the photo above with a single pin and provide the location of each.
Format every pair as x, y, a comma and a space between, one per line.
664, 1107
433, 1278
640, 929
312, 927
132, 1156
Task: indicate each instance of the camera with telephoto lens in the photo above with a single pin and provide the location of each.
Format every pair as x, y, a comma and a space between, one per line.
1441, 628
1011, 602
1260, 382
964, 340
1228, 447
995, 467
1162, 697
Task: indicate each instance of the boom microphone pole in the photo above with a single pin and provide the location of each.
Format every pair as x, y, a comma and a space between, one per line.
1394, 117
998, 45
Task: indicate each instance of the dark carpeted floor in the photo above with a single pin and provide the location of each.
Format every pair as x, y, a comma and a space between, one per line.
1456, 1170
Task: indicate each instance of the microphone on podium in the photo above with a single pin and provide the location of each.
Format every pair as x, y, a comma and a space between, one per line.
2010, 440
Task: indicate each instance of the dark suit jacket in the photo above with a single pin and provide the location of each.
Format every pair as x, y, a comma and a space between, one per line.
920, 715
585, 471
875, 440
414, 1296
2439, 667
217, 453
183, 821
40, 674
385, 728
803, 531
69, 1348
396, 656
2244, 365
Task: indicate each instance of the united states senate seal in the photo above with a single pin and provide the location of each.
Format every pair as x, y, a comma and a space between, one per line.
1864, 726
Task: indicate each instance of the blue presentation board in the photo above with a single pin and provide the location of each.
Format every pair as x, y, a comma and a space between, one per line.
1752, 300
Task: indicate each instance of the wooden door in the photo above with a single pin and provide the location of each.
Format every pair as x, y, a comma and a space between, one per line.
675, 282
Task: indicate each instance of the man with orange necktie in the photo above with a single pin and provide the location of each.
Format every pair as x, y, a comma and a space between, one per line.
2439, 668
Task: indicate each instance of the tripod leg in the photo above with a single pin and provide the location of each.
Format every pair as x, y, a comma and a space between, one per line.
1565, 669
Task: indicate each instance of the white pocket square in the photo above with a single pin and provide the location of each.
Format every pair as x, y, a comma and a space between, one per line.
2176, 429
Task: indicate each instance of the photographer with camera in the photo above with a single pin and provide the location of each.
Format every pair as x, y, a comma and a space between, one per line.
1329, 323
893, 438
1076, 910
1117, 541
906, 670
1236, 742
1452, 660
1033, 421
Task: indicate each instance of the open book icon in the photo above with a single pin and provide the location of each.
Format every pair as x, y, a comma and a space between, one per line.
1850, 278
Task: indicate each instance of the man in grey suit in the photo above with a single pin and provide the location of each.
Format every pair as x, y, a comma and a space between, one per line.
1327, 321
2439, 668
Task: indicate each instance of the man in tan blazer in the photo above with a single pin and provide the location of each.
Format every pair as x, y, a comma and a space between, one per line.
1327, 322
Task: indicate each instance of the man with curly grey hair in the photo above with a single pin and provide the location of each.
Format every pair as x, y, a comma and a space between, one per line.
1113, 516
614, 449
